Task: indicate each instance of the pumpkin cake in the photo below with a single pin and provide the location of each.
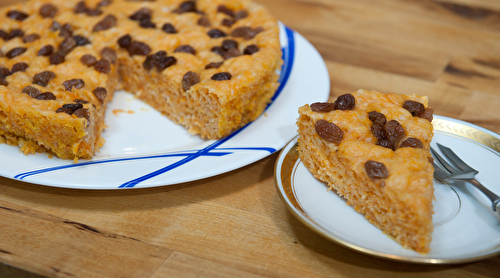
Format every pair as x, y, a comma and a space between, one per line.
209, 65
373, 150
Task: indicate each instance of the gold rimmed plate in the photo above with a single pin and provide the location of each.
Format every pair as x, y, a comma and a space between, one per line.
465, 227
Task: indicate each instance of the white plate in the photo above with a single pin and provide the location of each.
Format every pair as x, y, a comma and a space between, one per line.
465, 227
145, 149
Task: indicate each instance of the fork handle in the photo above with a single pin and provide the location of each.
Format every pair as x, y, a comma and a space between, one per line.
494, 198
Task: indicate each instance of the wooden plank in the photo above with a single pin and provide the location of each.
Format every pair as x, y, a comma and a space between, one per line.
182, 265
379, 24
445, 99
235, 220
420, 63
482, 110
473, 74
54, 246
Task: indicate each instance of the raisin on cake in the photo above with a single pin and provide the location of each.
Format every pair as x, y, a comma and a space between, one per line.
373, 149
209, 65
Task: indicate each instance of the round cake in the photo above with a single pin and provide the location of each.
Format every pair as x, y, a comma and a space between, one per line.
211, 66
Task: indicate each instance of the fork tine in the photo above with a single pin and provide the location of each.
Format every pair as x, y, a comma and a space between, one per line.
443, 162
455, 159
439, 173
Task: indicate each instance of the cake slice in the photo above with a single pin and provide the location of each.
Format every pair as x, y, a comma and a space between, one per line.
373, 150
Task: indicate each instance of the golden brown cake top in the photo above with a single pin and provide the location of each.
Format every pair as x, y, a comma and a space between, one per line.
194, 43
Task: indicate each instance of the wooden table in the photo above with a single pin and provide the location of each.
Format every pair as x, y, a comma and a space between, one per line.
235, 224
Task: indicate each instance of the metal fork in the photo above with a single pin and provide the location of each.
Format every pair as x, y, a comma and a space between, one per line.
462, 172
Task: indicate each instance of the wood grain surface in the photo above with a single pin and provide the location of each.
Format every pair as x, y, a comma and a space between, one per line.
235, 224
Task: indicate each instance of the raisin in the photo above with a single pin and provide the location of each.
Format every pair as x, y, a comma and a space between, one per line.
17, 15
225, 10
94, 12
377, 117
16, 33
141, 14
82, 113
65, 31
46, 50
228, 22
214, 65
386, 143
216, 33
147, 24
138, 48
427, 114
88, 60
56, 58
81, 40
106, 23
322, 107
55, 26
190, 79
82, 101
231, 53
124, 41
43, 78
3, 82
186, 7
219, 50
15, 52
73, 83
31, 38
48, 10
165, 62
149, 62
378, 131
228, 44
376, 170
4, 72
345, 102
169, 28
394, 131
109, 54
250, 49
31, 91
240, 14
46, 96
104, 3
414, 107
246, 32
204, 21
100, 93
412, 142
69, 108
67, 45
222, 76
329, 131
19, 67
102, 66
186, 49
4, 35
80, 8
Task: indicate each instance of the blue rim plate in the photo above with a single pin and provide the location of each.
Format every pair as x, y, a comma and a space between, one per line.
145, 149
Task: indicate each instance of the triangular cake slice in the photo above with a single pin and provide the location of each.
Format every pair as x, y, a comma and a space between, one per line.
373, 149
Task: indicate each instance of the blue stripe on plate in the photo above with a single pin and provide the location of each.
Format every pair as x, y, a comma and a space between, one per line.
288, 58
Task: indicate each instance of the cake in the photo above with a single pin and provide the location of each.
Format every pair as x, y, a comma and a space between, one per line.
372, 149
208, 65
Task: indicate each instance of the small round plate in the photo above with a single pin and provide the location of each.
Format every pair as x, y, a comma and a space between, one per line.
465, 227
